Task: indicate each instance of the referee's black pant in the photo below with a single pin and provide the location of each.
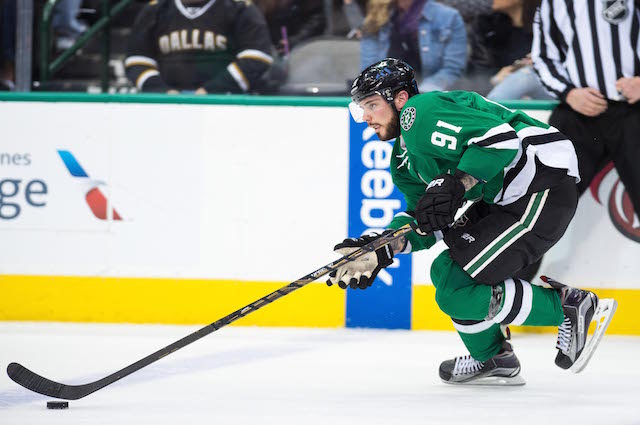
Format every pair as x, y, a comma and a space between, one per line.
611, 136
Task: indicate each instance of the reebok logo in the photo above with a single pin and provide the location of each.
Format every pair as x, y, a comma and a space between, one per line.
94, 197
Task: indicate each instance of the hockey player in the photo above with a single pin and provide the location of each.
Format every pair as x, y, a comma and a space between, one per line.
455, 146
207, 46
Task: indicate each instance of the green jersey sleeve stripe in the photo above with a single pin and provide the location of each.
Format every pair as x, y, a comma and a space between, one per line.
498, 138
495, 135
539, 139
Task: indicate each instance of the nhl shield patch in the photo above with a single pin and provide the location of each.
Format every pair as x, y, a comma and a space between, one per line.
407, 118
614, 11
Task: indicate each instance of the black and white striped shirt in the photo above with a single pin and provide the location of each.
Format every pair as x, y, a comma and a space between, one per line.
586, 43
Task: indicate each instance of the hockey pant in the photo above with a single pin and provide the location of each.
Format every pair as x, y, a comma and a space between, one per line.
488, 246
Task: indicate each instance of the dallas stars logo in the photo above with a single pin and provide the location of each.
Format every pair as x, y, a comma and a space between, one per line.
407, 118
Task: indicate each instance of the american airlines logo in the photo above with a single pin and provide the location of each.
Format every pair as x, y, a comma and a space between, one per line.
94, 197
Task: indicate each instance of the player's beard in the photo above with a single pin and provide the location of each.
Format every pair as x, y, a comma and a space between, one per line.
391, 130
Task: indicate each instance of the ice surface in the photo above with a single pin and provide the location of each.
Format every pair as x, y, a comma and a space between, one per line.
306, 376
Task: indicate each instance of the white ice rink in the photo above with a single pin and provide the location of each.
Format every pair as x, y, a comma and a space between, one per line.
306, 376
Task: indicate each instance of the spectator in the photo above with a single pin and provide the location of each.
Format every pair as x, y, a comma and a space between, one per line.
352, 10
293, 21
210, 46
340, 22
7, 44
469, 9
518, 80
497, 40
597, 80
500, 38
429, 36
65, 23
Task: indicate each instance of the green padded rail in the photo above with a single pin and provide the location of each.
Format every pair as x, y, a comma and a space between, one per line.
248, 100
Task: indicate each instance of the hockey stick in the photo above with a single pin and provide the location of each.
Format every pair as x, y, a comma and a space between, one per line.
39, 384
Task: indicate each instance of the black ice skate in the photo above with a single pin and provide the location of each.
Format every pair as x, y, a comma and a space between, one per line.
580, 309
501, 369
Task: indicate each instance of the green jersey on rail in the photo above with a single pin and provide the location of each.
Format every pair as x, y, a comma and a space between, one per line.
510, 153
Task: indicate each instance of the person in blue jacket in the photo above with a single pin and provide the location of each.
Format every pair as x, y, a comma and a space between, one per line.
427, 35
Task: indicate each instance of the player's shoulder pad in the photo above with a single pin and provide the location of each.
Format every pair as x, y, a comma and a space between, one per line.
426, 99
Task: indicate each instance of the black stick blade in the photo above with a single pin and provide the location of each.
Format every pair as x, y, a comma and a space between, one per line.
34, 382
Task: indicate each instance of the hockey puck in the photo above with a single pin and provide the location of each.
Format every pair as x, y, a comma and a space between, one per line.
57, 404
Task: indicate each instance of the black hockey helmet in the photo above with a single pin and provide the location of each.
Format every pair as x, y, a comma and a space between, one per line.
386, 78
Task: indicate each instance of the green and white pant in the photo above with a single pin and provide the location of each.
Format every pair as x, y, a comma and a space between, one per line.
487, 248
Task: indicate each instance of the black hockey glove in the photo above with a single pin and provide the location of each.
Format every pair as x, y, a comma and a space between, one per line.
360, 273
437, 208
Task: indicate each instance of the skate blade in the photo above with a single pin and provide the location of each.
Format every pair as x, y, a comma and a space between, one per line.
602, 317
492, 381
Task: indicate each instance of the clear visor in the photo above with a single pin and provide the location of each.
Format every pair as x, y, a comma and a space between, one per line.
356, 112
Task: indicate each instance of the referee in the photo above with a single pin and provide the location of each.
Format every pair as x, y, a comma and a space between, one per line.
587, 54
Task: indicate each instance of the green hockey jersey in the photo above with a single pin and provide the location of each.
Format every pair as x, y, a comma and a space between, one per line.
510, 153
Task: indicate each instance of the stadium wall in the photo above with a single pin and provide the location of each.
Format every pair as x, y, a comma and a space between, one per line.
165, 209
